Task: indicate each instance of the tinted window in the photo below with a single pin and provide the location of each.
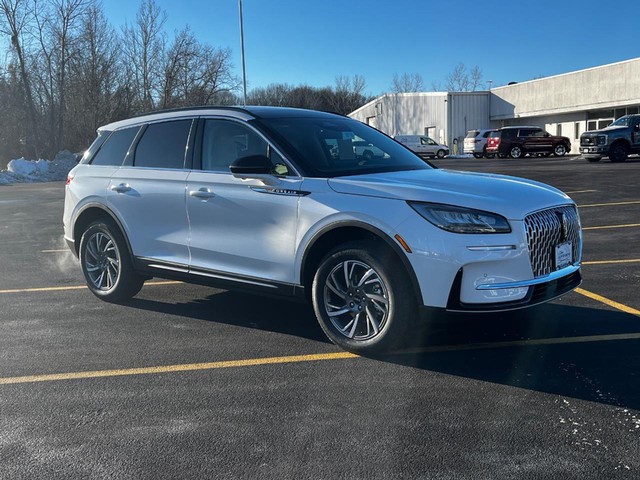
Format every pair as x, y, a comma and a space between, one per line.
324, 146
486, 134
224, 141
163, 145
527, 132
509, 133
115, 148
472, 134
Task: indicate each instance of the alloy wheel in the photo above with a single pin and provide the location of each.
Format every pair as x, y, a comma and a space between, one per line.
356, 300
102, 261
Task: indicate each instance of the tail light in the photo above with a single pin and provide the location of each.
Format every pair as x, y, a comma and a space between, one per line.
69, 179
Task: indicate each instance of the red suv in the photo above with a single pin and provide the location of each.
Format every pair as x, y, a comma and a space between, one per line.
516, 142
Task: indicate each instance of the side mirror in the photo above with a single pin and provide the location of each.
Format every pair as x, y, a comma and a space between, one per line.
257, 167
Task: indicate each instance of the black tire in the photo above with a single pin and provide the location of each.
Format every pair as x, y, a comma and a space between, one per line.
502, 155
490, 155
477, 155
106, 263
367, 155
618, 152
440, 154
364, 318
560, 150
516, 152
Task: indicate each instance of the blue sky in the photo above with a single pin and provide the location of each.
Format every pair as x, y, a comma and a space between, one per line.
311, 42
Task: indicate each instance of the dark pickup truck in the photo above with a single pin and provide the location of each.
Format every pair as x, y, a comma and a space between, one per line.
617, 141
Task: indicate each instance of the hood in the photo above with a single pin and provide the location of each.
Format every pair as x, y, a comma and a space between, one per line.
511, 197
607, 129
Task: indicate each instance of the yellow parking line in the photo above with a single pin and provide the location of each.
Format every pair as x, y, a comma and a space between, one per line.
629, 225
581, 191
606, 301
611, 262
176, 368
635, 202
72, 287
66, 250
253, 362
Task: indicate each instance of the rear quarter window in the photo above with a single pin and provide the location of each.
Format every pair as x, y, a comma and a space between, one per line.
115, 148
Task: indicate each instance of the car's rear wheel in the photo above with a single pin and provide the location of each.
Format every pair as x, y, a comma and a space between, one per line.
560, 150
618, 152
477, 155
516, 152
440, 154
362, 299
106, 263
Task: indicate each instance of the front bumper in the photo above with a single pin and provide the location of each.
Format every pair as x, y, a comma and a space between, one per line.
594, 151
540, 290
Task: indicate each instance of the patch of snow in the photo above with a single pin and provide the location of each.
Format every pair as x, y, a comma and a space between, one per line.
31, 171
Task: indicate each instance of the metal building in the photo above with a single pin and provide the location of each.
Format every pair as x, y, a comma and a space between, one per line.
567, 104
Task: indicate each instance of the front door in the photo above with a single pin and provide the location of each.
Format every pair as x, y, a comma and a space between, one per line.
240, 227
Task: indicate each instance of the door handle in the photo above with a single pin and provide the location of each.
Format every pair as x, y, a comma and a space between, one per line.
203, 193
121, 188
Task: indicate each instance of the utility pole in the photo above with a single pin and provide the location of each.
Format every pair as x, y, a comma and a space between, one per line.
244, 72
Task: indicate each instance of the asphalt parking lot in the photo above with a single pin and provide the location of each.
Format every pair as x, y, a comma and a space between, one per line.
191, 382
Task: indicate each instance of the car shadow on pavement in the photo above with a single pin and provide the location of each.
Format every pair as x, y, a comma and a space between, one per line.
586, 353
243, 310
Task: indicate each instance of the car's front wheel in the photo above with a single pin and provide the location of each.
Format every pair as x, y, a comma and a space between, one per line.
477, 155
440, 154
362, 298
106, 263
618, 152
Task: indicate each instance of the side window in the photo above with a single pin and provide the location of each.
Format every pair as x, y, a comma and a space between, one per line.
224, 141
486, 134
163, 145
528, 132
115, 148
424, 141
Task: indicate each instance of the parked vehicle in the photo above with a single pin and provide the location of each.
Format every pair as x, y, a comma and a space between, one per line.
423, 145
475, 142
516, 142
617, 141
366, 150
274, 200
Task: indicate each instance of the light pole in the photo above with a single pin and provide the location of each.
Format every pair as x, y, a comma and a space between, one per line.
244, 73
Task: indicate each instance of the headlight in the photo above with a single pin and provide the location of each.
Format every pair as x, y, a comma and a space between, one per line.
460, 219
602, 140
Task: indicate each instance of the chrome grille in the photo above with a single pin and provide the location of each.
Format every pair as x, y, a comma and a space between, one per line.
547, 229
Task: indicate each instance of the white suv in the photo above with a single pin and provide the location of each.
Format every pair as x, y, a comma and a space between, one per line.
475, 142
274, 200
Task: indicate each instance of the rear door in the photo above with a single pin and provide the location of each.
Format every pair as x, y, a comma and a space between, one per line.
148, 194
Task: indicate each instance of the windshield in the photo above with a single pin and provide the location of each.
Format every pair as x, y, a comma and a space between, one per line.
472, 133
621, 122
338, 147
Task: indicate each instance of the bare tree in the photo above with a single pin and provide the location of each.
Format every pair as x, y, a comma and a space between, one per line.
348, 94
407, 83
460, 80
144, 46
15, 16
95, 77
194, 73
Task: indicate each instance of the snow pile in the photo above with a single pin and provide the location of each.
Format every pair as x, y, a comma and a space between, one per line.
29, 171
